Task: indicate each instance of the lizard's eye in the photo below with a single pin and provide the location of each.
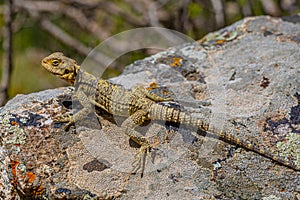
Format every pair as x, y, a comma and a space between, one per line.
55, 63
67, 71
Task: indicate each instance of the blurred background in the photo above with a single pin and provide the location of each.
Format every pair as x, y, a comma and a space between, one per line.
32, 29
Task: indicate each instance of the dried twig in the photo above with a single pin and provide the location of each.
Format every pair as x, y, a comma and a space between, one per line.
38, 6
88, 24
72, 42
115, 10
219, 12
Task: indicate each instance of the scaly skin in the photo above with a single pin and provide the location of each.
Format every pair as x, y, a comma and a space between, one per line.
137, 104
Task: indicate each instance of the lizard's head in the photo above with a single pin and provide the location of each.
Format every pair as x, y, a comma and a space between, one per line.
62, 66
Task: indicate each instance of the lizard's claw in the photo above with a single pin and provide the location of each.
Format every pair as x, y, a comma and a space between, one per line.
140, 158
65, 118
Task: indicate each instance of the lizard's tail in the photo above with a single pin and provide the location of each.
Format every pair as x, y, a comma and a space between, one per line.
165, 113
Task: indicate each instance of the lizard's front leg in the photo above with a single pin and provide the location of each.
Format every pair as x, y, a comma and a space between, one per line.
129, 125
71, 119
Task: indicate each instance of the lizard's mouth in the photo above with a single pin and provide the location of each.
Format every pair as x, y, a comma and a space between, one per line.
54, 73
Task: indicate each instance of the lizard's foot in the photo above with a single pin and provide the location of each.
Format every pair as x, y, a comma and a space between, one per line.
66, 118
140, 159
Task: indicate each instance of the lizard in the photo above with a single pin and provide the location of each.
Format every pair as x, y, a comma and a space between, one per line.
138, 105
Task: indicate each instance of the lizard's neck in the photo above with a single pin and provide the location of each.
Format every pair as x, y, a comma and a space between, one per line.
85, 80
71, 77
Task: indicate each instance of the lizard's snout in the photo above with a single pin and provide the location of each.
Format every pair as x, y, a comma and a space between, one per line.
44, 61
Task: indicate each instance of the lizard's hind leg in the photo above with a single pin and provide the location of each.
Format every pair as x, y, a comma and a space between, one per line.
129, 125
142, 92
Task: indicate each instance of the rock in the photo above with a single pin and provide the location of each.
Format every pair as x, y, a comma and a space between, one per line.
243, 79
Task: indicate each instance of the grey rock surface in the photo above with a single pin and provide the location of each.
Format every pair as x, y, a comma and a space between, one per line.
243, 79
